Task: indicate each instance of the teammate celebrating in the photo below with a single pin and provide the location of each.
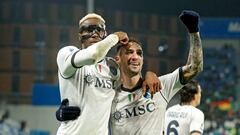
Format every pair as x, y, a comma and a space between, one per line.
132, 113
186, 119
87, 79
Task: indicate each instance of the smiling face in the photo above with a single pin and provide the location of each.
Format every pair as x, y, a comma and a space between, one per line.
91, 30
130, 58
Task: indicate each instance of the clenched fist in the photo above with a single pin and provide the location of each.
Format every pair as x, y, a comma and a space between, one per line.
123, 37
191, 20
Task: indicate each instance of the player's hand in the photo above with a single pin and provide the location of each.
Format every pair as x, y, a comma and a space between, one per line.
66, 112
123, 37
151, 84
191, 20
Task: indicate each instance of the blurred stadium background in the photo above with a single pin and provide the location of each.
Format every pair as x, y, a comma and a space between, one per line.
31, 33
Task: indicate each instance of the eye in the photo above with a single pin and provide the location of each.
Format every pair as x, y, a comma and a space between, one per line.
83, 29
129, 51
91, 28
99, 29
140, 53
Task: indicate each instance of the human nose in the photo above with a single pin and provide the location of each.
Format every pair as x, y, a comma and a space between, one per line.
94, 33
135, 56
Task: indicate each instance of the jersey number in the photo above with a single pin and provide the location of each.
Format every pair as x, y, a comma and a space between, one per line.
172, 127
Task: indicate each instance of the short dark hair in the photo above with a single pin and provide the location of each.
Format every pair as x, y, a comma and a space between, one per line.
188, 91
131, 39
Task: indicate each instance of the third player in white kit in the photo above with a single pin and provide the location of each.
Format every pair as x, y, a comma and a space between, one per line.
185, 118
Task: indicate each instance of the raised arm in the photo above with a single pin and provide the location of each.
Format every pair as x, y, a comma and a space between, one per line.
70, 58
194, 63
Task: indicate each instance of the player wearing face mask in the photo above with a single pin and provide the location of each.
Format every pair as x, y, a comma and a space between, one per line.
87, 79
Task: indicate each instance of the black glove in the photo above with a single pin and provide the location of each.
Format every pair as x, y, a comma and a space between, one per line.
65, 112
190, 19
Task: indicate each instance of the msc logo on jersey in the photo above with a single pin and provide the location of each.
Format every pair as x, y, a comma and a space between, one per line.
98, 82
131, 112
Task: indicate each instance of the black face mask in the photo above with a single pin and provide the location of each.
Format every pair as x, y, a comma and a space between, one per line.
89, 30
92, 28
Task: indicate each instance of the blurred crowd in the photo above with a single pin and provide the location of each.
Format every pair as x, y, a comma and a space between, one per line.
9, 126
219, 80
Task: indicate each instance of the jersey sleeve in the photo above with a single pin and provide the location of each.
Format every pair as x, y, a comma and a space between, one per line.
197, 122
95, 52
64, 61
70, 58
171, 84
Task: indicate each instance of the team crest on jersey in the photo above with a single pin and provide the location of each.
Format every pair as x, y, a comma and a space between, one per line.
113, 70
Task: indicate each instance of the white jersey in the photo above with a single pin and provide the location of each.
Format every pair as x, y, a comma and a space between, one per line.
90, 87
133, 114
183, 120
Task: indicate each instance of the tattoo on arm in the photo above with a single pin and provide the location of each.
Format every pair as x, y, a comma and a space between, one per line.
194, 64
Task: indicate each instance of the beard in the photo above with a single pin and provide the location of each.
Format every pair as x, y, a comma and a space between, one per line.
134, 68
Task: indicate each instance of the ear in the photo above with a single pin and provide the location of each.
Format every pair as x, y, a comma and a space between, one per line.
105, 33
117, 59
79, 37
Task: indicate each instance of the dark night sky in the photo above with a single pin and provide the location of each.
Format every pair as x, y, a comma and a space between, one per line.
207, 8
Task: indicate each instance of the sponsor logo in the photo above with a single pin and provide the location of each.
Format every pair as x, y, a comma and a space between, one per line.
98, 82
134, 111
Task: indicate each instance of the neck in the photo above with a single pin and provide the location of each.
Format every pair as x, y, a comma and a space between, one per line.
192, 103
130, 82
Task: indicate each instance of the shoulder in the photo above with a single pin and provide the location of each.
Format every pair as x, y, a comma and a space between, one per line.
168, 76
111, 62
174, 107
110, 59
197, 112
67, 50
113, 67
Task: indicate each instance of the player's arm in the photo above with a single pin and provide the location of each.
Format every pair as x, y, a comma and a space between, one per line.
98, 51
69, 60
197, 123
194, 63
152, 83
